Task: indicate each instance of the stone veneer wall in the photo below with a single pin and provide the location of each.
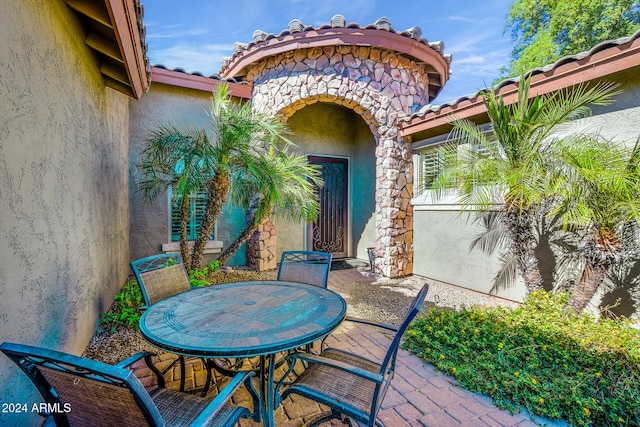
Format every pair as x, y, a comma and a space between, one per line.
382, 87
261, 248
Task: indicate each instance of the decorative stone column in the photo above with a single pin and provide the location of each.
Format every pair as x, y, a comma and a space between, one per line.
261, 248
381, 75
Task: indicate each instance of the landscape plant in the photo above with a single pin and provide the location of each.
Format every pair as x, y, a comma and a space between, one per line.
540, 356
190, 159
597, 187
125, 309
510, 171
543, 31
200, 277
283, 184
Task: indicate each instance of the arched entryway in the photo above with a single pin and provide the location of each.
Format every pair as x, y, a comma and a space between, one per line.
339, 138
378, 75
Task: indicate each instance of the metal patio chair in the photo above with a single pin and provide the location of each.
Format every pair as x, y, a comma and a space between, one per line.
305, 267
160, 276
351, 385
86, 392
308, 267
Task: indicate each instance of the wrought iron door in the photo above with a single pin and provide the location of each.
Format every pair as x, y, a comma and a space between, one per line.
329, 232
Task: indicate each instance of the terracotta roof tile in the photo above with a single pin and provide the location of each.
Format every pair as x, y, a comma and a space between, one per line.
338, 21
198, 73
607, 44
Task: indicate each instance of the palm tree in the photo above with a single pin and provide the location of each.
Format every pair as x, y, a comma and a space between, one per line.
598, 184
509, 171
239, 137
191, 160
282, 185
176, 157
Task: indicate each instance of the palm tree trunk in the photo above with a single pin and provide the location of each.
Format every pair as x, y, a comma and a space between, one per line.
243, 237
184, 219
216, 195
253, 223
593, 275
601, 253
524, 244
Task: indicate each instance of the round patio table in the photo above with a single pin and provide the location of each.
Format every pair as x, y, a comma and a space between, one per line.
244, 319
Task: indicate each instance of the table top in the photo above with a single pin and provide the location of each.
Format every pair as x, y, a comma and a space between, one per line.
242, 319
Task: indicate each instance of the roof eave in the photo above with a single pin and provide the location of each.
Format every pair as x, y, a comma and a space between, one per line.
126, 27
589, 68
414, 49
114, 31
192, 81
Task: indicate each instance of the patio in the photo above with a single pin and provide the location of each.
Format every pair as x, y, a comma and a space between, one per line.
419, 395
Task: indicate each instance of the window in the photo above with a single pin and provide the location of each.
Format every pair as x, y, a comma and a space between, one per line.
431, 166
431, 162
197, 205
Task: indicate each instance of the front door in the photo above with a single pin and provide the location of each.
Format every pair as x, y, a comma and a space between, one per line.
329, 232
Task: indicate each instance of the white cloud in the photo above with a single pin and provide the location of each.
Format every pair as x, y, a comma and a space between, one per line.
462, 19
176, 32
206, 58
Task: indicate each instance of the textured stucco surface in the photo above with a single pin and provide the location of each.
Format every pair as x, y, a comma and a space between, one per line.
162, 105
441, 252
331, 130
63, 187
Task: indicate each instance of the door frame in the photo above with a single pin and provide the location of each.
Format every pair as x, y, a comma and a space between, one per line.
307, 228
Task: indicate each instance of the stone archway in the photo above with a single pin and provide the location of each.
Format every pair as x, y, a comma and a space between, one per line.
380, 84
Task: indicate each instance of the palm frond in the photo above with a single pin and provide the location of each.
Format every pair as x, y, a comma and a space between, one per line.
494, 235
507, 275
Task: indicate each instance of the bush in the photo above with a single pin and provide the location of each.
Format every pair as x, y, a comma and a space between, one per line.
124, 311
540, 356
200, 278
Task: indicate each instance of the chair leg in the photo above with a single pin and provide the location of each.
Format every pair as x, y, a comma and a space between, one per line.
207, 365
326, 416
183, 372
159, 375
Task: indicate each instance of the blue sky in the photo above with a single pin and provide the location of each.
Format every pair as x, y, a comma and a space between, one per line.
196, 34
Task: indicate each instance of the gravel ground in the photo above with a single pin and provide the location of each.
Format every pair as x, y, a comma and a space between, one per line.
383, 300
387, 300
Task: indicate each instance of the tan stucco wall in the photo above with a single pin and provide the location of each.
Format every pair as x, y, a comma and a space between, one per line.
332, 130
64, 224
165, 104
443, 237
441, 252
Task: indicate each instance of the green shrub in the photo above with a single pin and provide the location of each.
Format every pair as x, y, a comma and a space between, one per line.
199, 278
125, 311
540, 356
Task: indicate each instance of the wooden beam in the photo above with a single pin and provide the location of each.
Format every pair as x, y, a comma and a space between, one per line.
130, 37
104, 46
95, 10
115, 72
116, 85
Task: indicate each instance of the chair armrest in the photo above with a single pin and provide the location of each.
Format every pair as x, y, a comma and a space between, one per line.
372, 323
212, 409
132, 359
362, 373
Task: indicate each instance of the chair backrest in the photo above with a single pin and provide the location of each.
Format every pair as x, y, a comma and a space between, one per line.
305, 267
388, 365
160, 276
416, 304
83, 392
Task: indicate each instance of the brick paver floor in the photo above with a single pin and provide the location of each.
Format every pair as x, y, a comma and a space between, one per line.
419, 395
